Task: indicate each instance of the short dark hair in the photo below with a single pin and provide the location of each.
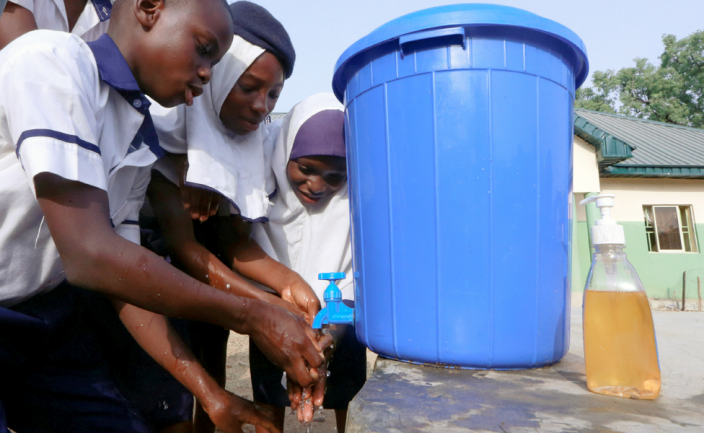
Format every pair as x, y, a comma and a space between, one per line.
119, 4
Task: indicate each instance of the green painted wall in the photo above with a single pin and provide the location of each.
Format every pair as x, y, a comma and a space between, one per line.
581, 255
661, 273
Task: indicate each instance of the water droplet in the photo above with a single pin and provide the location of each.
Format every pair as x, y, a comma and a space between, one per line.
327, 374
141, 324
228, 286
158, 294
206, 275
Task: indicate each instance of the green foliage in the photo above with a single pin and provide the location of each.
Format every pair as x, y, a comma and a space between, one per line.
672, 92
601, 97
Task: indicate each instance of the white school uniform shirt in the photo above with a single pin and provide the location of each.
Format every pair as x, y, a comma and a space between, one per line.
75, 110
51, 15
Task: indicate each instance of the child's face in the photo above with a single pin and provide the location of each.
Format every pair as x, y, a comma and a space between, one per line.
176, 55
254, 95
315, 177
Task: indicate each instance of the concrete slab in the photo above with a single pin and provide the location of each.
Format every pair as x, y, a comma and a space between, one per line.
405, 398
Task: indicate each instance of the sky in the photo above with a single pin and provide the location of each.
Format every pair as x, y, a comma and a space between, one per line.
614, 31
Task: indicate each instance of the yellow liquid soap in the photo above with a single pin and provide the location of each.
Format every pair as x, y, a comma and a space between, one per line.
619, 345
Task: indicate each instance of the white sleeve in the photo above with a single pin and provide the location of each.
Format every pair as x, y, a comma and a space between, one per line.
128, 215
48, 94
272, 134
347, 285
27, 4
170, 124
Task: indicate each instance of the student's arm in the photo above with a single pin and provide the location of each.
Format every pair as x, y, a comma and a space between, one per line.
14, 22
247, 257
177, 229
95, 257
154, 333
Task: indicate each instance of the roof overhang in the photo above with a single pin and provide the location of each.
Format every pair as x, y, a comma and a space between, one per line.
609, 149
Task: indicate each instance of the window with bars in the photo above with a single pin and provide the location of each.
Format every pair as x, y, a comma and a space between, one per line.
670, 229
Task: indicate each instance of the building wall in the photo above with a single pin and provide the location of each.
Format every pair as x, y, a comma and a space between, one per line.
661, 273
585, 167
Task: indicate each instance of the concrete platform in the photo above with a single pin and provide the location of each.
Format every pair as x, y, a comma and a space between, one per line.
405, 398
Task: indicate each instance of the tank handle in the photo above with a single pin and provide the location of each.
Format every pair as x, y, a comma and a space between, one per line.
432, 34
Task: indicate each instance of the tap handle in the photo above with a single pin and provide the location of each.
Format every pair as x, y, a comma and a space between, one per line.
331, 276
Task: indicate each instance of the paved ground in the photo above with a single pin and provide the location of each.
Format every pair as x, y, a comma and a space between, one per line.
403, 398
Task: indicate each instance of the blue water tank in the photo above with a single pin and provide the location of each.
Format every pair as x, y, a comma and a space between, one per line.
459, 147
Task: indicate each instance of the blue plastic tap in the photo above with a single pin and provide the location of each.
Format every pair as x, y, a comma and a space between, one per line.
335, 312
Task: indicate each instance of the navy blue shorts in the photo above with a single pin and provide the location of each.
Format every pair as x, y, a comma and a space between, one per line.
53, 373
348, 372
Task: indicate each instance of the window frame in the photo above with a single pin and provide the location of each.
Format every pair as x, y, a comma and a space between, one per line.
691, 229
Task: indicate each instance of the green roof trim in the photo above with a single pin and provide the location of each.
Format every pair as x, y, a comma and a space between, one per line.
609, 149
653, 171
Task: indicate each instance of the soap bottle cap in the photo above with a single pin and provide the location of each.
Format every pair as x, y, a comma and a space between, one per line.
606, 231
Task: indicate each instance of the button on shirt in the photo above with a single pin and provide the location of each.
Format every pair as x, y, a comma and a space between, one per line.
75, 110
51, 15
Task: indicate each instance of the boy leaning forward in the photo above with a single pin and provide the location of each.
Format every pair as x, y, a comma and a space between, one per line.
76, 148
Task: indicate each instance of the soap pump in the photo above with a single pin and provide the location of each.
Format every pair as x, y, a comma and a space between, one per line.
620, 350
335, 311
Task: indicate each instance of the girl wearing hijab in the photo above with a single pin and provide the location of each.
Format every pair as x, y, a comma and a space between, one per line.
217, 156
309, 232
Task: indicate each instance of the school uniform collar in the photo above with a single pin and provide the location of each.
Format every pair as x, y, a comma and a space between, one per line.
112, 65
103, 8
115, 72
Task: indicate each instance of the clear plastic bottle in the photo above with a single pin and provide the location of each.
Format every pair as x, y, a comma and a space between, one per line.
620, 350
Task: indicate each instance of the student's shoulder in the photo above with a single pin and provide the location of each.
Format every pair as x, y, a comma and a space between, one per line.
44, 51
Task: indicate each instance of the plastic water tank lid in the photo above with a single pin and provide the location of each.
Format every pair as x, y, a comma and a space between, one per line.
476, 14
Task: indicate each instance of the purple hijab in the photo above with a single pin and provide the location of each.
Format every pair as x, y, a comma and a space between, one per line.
322, 134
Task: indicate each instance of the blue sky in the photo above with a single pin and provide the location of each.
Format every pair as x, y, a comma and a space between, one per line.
614, 31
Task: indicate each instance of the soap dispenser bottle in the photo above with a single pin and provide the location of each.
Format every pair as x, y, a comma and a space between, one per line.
620, 350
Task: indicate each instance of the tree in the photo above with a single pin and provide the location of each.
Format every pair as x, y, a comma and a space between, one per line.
601, 97
686, 58
672, 92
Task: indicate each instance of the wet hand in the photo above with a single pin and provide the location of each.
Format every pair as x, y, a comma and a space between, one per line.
300, 294
229, 412
305, 400
302, 401
287, 341
201, 203
317, 393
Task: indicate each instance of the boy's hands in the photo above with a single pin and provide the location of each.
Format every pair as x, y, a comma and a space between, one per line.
229, 412
300, 294
286, 340
304, 400
202, 203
